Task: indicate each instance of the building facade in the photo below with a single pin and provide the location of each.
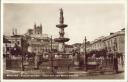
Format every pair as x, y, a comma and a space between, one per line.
6, 46
111, 43
97, 44
37, 30
115, 42
17, 40
40, 42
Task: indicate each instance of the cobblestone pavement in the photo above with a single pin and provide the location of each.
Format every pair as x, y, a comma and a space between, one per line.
72, 74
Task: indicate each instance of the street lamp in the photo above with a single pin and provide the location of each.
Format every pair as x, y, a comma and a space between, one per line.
51, 43
85, 54
51, 56
22, 59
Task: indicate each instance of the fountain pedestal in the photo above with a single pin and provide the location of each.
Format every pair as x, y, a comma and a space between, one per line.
61, 47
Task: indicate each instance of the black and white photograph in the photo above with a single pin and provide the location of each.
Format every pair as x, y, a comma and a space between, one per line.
64, 41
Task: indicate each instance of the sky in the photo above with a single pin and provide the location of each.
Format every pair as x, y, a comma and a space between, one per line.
90, 20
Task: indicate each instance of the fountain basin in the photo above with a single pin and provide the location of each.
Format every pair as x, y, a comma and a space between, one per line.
61, 39
61, 25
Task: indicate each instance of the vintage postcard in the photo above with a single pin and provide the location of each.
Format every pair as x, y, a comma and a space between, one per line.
75, 40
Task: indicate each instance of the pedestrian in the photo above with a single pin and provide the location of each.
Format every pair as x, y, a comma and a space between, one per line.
102, 60
94, 57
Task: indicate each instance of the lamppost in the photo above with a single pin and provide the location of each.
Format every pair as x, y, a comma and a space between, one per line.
51, 56
85, 53
22, 59
51, 43
115, 62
